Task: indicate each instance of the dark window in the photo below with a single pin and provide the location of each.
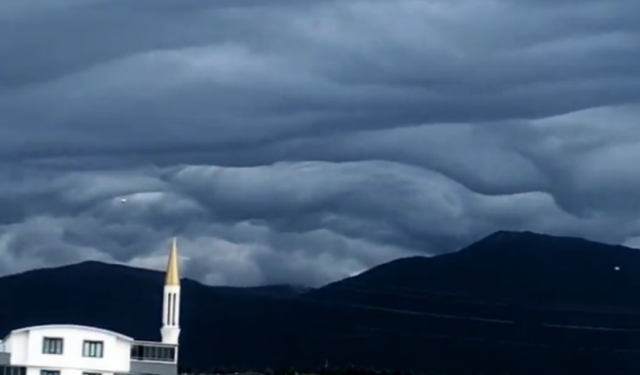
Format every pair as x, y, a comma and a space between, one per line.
149, 352
163, 353
92, 349
169, 353
153, 353
136, 352
13, 370
49, 372
52, 345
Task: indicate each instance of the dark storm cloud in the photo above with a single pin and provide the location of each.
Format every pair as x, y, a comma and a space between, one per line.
303, 141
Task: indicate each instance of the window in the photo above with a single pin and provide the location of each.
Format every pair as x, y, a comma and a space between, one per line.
153, 353
91, 373
52, 345
92, 349
49, 372
13, 370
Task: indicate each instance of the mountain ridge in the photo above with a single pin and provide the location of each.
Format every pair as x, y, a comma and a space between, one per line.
490, 260
450, 305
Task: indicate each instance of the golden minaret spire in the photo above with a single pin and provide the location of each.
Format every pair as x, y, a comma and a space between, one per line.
173, 267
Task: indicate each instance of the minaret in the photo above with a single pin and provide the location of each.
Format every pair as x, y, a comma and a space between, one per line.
170, 330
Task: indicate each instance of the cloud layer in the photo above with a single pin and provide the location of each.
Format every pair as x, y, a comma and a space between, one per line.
304, 141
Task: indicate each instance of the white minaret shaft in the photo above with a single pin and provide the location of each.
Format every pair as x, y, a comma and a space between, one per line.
170, 330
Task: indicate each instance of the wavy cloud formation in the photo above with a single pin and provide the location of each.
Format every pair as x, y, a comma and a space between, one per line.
304, 141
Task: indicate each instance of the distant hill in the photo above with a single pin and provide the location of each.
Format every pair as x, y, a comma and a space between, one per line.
512, 302
517, 267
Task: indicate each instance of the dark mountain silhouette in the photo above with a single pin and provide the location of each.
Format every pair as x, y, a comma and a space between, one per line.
512, 302
518, 266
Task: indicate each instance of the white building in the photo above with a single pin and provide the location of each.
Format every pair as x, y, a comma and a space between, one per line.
81, 350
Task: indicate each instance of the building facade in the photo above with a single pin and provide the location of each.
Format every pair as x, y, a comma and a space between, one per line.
59, 349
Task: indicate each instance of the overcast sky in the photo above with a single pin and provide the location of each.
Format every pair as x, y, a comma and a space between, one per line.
302, 141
